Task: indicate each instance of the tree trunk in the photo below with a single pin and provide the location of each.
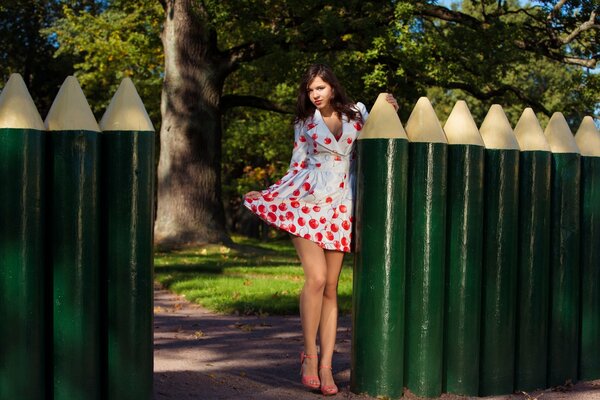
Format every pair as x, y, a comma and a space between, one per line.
190, 211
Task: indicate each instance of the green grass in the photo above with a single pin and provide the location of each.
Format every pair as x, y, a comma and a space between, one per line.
250, 277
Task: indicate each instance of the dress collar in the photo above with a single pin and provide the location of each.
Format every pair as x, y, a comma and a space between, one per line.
320, 133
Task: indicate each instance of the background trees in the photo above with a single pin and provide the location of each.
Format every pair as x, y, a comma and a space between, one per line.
227, 71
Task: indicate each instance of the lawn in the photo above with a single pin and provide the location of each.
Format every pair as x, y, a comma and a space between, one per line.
250, 277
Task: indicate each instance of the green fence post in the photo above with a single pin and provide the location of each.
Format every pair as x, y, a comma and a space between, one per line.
588, 142
74, 247
563, 334
22, 350
127, 207
499, 276
380, 266
426, 247
534, 262
466, 155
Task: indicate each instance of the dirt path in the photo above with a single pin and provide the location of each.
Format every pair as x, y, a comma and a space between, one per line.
202, 355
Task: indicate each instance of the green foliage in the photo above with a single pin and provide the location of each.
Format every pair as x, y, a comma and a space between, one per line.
248, 278
504, 52
122, 41
568, 90
482, 62
256, 138
410, 56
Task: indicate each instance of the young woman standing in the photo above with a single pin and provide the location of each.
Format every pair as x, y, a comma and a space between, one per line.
314, 203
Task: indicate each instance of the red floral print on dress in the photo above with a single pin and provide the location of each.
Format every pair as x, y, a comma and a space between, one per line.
314, 199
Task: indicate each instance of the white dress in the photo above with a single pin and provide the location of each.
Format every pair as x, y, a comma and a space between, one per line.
314, 199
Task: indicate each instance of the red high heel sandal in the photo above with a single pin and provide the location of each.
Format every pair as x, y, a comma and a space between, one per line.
328, 390
310, 381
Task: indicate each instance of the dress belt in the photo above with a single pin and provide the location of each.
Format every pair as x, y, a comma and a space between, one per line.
341, 165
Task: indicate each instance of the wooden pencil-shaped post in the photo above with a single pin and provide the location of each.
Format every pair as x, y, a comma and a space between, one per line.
534, 258
499, 276
127, 188
22, 350
426, 251
380, 266
74, 249
588, 142
563, 333
466, 155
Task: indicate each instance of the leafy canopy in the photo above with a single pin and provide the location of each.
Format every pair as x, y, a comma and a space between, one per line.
540, 54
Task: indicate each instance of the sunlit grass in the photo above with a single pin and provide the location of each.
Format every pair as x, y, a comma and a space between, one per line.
251, 277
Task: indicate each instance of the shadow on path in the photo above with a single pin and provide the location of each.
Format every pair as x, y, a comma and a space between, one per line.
202, 355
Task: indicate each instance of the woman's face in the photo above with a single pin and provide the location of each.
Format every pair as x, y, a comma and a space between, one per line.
320, 93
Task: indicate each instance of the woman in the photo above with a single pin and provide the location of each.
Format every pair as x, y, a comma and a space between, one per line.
314, 203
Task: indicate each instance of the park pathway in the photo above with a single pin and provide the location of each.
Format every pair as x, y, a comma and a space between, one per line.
202, 355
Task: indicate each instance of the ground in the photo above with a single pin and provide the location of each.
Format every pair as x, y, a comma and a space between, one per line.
202, 355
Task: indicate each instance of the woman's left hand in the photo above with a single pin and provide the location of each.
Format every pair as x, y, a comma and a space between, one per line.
253, 195
390, 99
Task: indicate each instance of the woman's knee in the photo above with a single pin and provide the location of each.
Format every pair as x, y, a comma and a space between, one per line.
315, 283
330, 290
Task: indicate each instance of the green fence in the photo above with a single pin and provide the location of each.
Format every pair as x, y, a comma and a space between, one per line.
495, 257
75, 246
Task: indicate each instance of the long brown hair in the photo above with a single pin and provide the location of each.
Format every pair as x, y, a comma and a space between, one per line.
340, 101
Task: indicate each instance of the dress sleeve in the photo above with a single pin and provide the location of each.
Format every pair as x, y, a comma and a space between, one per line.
363, 111
365, 114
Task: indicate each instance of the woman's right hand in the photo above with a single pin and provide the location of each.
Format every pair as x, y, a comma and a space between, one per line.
390, 99
253, 195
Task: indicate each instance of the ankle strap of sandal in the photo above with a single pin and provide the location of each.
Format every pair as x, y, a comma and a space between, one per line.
325, 367
304, 355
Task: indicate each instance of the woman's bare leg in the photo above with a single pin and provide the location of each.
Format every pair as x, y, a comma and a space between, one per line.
329, 314
314, 264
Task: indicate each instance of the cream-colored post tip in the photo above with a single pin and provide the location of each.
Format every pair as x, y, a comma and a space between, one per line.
529, 133
460, 128
70, 110
496, 131
126, 111
423, 124
559, 135
588, 138
383, 122
17, 109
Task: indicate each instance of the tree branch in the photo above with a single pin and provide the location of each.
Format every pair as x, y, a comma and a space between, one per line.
589, 24
446, 14
583, 62
243, 53
234, 100
525, 11
556, 9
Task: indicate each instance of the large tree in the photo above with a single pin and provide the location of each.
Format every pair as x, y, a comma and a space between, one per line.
198, 59
223, 56
207, 41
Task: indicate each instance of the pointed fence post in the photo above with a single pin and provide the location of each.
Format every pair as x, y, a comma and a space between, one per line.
499, 277
563, 334
426, 251
74, 248
22, 272
127, 216
379, 266
534, 258
588, 142
466, 155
